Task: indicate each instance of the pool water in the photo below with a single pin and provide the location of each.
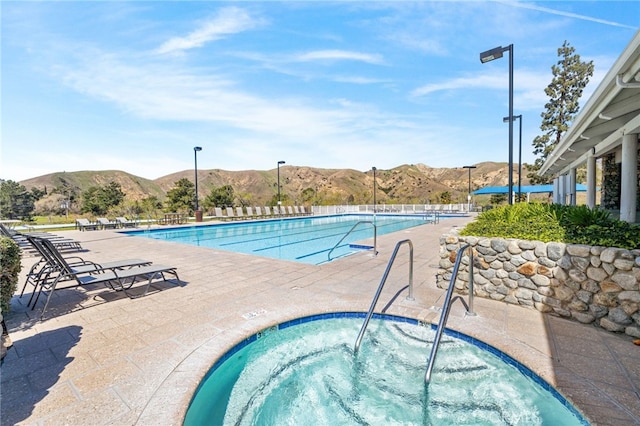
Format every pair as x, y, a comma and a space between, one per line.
308, 374
306, 240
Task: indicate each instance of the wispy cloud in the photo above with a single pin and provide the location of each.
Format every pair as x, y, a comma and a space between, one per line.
229, 20
533, 6
339, 55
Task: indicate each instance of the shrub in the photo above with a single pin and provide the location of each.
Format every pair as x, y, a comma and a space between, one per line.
553, 222
9, 268
534, 221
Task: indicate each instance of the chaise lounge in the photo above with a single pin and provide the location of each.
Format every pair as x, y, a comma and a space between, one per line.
60, 271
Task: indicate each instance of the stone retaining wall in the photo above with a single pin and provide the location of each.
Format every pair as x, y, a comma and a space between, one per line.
596, 285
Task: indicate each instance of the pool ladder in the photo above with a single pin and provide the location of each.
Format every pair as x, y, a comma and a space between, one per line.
375, 238
382, 283
444, 316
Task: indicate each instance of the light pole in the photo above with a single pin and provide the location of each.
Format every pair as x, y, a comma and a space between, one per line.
469, 196
374, 189
195, 161
519, 117
488, 56
279, 201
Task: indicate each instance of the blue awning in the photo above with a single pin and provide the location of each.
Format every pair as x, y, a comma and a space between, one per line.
526, 189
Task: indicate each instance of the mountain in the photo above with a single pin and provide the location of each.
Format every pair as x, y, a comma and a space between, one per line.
415, 183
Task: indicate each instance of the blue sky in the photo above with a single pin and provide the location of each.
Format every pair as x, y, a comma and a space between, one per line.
134, 86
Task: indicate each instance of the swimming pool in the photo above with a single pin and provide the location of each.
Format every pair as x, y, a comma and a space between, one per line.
306, 369
306, 240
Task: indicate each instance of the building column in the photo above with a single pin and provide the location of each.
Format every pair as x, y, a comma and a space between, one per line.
591, 181
572, 187
629, 178
556, 190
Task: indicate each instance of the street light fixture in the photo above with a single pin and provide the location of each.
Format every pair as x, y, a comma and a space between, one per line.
469, 196
279, 200
195, 161
489, 56
519, 117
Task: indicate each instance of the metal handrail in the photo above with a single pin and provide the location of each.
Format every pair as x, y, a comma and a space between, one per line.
375, 238
382, 282
447, 306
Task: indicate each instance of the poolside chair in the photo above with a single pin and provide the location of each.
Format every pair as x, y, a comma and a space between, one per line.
117, 279
84, 225
79, 265
106, 223
290, 210
250, 213
267, 211
258, 212
230, 214
61, 243
239, 213
123, 222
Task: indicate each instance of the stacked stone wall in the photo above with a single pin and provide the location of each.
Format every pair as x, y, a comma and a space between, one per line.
592, 285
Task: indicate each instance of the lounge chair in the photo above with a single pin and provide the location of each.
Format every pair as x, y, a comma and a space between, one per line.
84, 225
267, 211
250, 213
61, 243
60, 271
123, 222
239, 213
230, 214
106, 223
290, 210
79, 265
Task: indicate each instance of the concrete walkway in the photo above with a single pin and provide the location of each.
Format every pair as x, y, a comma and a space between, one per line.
99, 357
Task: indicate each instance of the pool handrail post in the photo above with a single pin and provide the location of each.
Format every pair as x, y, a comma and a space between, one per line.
375, 250
381, 285
444, 316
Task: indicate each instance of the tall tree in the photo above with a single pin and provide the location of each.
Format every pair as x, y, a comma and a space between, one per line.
222, 196
570, 77
181, 198
15, 201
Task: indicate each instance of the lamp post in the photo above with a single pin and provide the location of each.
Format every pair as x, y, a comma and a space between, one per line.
519, 117
469, 196
489, 56
279, 200
195, 162
374, 190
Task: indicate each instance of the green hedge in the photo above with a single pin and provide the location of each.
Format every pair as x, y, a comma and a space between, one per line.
553, 222
10, 268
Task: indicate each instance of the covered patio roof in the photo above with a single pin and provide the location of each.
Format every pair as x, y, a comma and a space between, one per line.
526, 189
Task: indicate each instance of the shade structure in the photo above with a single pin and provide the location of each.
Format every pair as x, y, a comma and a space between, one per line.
526, 189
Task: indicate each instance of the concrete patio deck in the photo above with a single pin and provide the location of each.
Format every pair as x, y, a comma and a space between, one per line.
99, 357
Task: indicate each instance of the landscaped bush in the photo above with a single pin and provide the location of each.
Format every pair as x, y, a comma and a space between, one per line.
553, 222
9, 269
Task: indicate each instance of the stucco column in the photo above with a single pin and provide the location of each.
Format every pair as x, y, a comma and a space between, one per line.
572, 187
629, 178
591, 181
556, 190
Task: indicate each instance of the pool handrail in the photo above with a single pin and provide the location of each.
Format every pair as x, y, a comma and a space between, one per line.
381, 285
446, 307
375, 238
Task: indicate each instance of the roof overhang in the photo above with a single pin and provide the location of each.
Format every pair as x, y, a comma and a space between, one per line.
612, 112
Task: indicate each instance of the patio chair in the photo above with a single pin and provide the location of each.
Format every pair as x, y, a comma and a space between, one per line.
61, 243
60, 271
219, 214
230, 214
106, 223
239, 213
79, 265
258, 212
84, 225
123, 222
267, 211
